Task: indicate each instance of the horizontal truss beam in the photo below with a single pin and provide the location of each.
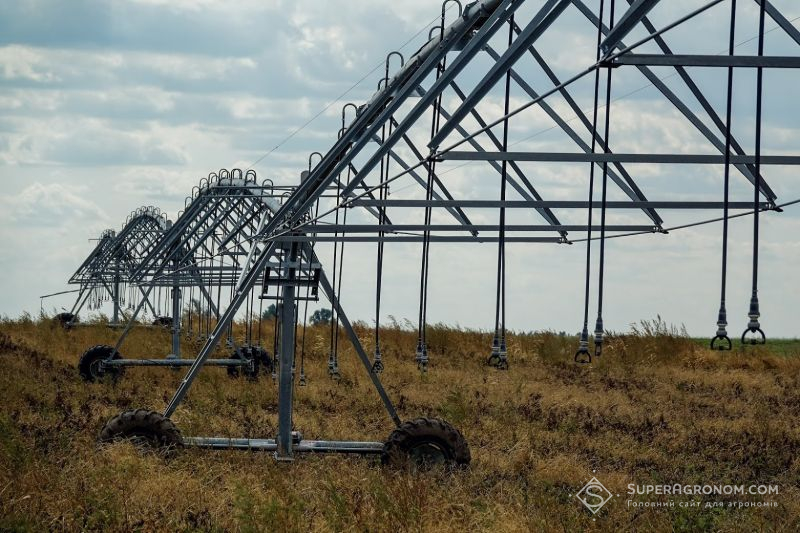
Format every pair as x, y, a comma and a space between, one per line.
563, 204
684, 60
415, 238
271, 445
173, 362
365, 228
565, 157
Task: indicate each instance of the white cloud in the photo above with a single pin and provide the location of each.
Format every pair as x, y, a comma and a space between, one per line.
251, 108
87, 142
47, 65
25, 63
45, 204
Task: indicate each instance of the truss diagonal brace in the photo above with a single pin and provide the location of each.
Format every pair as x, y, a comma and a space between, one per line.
629, 20
782, 21
748, 170
544, 18
457, 214
531, 193
224, 320
631, 192
359, 349
489, 28
678, 103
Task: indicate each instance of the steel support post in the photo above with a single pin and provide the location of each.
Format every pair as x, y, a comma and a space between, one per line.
176, 317
115, 293
285, 377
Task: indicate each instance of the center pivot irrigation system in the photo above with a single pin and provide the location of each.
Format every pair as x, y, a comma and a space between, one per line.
489, 69
105, 274
201, 254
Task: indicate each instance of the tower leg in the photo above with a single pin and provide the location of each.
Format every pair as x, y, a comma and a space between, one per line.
176, 323
115, 296
176, 314
285, 379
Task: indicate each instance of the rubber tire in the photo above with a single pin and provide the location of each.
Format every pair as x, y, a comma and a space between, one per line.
65, 319
421, 431
264, 358
163, 321
245, 352
143, 427
90, 357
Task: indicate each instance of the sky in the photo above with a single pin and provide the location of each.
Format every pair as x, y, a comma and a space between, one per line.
108, 106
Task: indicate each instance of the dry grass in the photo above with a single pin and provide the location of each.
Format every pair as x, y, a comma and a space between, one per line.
656, 409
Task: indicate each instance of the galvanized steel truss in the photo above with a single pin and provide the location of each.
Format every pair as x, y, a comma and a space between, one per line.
428, 98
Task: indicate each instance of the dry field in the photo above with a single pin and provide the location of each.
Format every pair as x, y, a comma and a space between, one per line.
657, 409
